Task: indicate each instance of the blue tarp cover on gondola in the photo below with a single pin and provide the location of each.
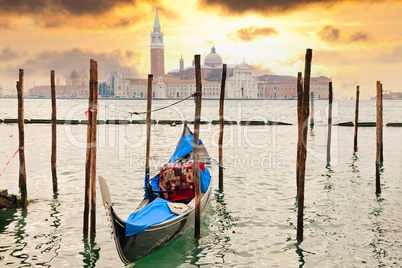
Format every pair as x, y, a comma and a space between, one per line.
205, 178
156, 212
184, 148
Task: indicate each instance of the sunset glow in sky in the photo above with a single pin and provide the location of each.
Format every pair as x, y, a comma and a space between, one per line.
354, 42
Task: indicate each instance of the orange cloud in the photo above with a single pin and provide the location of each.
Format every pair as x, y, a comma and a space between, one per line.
331, 34
253, 32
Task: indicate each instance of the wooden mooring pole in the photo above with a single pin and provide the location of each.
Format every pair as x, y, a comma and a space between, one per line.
381, 128
356, 116
221, 126
329, 124
312, 110
301, 159
149, 106
22, 172
378, 138
197, 183
94, 111
88, 158
54, 134
299, 123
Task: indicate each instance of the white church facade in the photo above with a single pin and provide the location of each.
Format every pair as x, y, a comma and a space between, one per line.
241, 81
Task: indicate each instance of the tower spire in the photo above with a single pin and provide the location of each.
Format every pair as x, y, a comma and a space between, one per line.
157, 26
157, 49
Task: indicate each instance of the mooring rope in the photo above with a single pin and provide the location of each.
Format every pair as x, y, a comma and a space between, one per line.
91, 110
9, 161
155, 110
213, 160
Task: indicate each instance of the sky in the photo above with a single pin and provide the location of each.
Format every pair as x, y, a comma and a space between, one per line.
355, 42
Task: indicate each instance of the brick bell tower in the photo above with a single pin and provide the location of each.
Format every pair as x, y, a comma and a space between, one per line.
157, 49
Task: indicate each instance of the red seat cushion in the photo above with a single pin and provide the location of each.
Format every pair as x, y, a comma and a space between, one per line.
180, 178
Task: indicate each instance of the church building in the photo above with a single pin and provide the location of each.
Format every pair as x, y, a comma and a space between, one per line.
241, 81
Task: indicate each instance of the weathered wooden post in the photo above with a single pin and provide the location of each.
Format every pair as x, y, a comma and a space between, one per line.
381, 128
303, 150
94, 112
378, 137
88, 156
329, 124
54, 134
197, 183
22, 173
356, 116
299, 120
221, 126
312, 109
149, 106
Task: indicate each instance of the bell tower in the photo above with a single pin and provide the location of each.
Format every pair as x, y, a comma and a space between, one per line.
157, 49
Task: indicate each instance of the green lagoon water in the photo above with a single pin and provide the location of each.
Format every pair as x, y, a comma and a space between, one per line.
251, 224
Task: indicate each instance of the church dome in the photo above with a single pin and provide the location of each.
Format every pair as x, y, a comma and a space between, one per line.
213, 59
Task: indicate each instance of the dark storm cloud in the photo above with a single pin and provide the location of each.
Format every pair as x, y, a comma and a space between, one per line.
263, 6
329, 34
75, 59
75, 7
253, 32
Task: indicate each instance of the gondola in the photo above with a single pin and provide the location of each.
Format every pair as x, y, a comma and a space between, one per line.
133, 239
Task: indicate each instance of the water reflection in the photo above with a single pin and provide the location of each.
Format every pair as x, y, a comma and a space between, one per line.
301, 254
353, 165
355, 169
91, 252
52, 239
226, 221
329, 185
6, 217
20, 243
223, 221
312, 134
217, 243
378, 241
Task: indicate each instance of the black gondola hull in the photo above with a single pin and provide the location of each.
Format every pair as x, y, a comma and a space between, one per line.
132, 248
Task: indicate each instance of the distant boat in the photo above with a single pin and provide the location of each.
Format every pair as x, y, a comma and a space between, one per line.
158, 221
